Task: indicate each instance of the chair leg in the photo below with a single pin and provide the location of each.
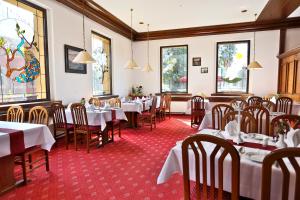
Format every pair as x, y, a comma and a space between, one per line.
67, 139
24, 170
150, 123
47, 160
154, 122
119, 129
88, 142
30, 161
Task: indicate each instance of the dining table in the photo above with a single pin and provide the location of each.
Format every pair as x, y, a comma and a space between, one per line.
252, 153
15, 138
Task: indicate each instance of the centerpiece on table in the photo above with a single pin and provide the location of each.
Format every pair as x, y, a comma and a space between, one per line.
281, 130
136, 92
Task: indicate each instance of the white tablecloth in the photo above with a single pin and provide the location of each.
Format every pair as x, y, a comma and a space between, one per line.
250, 172
34, 134
98, 117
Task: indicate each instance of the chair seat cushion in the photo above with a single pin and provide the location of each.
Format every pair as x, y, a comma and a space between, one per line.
70, 127
95, 128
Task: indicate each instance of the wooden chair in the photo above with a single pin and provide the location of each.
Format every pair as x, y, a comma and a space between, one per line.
37, 115
284, 104
160, 112
255, 101
218, 112
281, 157
243, 104
167, 108
262, 118
293, 120
193, 144
96, 102
60, 126
248, 122
197, 110
82, 127
269, 105
15, 114
150, 116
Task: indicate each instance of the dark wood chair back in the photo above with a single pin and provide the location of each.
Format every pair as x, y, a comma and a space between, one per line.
281, 157
79, 117
243, 104
262, 117
59, 116
218, 112
284, 104
153, 106
15, 114
193, 145
197, 110
255, 101
248, 122
162, 103
269, 105
38, 115
293, 120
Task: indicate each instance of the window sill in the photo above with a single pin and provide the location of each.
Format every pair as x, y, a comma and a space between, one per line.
104, 97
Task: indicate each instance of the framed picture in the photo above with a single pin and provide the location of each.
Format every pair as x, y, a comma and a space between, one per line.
197, 61
204, 70
70, 67
232, 75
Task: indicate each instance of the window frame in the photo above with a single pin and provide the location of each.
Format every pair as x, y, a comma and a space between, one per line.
248, 72
46, 56
187, 69
110, 65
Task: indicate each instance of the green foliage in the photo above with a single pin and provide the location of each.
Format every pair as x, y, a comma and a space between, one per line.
235, 80
2, 41
225, 55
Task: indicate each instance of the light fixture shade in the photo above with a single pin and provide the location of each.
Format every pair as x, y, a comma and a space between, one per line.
254, 65
131, 64
148, 68
83, 57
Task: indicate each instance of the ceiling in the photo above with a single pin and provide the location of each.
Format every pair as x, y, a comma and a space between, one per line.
296, 13
174, 14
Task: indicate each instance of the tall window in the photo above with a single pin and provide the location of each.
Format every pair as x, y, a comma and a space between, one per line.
232, 62
174, 69
23, 52
102, 73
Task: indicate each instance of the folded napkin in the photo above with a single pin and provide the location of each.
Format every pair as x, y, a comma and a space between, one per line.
143, 98
293, 137
69, 106
231, 128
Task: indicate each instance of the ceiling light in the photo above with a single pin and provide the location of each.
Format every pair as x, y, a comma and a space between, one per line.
254, 64
148, 67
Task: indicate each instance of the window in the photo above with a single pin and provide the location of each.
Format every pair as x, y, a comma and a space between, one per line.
174, 69
102, 72
23, 52
232, 61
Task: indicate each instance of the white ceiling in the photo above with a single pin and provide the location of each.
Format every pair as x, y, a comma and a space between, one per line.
172, 14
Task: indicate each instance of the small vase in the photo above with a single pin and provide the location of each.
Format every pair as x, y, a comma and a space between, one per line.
281, 143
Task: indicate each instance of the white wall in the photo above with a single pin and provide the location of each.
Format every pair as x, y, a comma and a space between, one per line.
65, 27
292, 39
262, 82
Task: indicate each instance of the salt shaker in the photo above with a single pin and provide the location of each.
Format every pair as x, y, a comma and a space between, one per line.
265, 141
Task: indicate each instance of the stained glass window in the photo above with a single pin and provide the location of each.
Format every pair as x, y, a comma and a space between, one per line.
232, 62
23, 47
174, 69
101, 52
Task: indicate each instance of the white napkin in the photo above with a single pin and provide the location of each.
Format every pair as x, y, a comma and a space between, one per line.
273, 99
138, 100
231, 128
143, 98
123, 99
69, 106
293, 137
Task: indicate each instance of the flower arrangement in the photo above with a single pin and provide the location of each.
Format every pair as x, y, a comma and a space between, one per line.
137, 91
282, 127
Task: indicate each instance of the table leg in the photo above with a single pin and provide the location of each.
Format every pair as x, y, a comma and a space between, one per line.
7, 179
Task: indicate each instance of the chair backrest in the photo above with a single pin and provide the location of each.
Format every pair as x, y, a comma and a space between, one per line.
118, 102
59, 116
218, 112
194, 144
281, 157
79, 116
255, 101
162, 102
114, 102
262, 117
248, 122
293, 120
284, 104
197, 103
268, 105
168, 99
153, 106
15, 114
243, 104
38, 115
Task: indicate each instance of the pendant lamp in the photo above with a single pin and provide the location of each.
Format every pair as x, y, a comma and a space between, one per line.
131, 64
148, 67
254, 64
83, 57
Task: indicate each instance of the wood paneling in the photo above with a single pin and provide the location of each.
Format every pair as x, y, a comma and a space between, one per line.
278, 9
220, 29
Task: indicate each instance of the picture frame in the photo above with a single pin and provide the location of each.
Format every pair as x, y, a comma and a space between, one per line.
70, 54
204, 70
197, 61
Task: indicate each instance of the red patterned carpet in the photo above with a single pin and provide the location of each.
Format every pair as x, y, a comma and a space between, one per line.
125, 169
